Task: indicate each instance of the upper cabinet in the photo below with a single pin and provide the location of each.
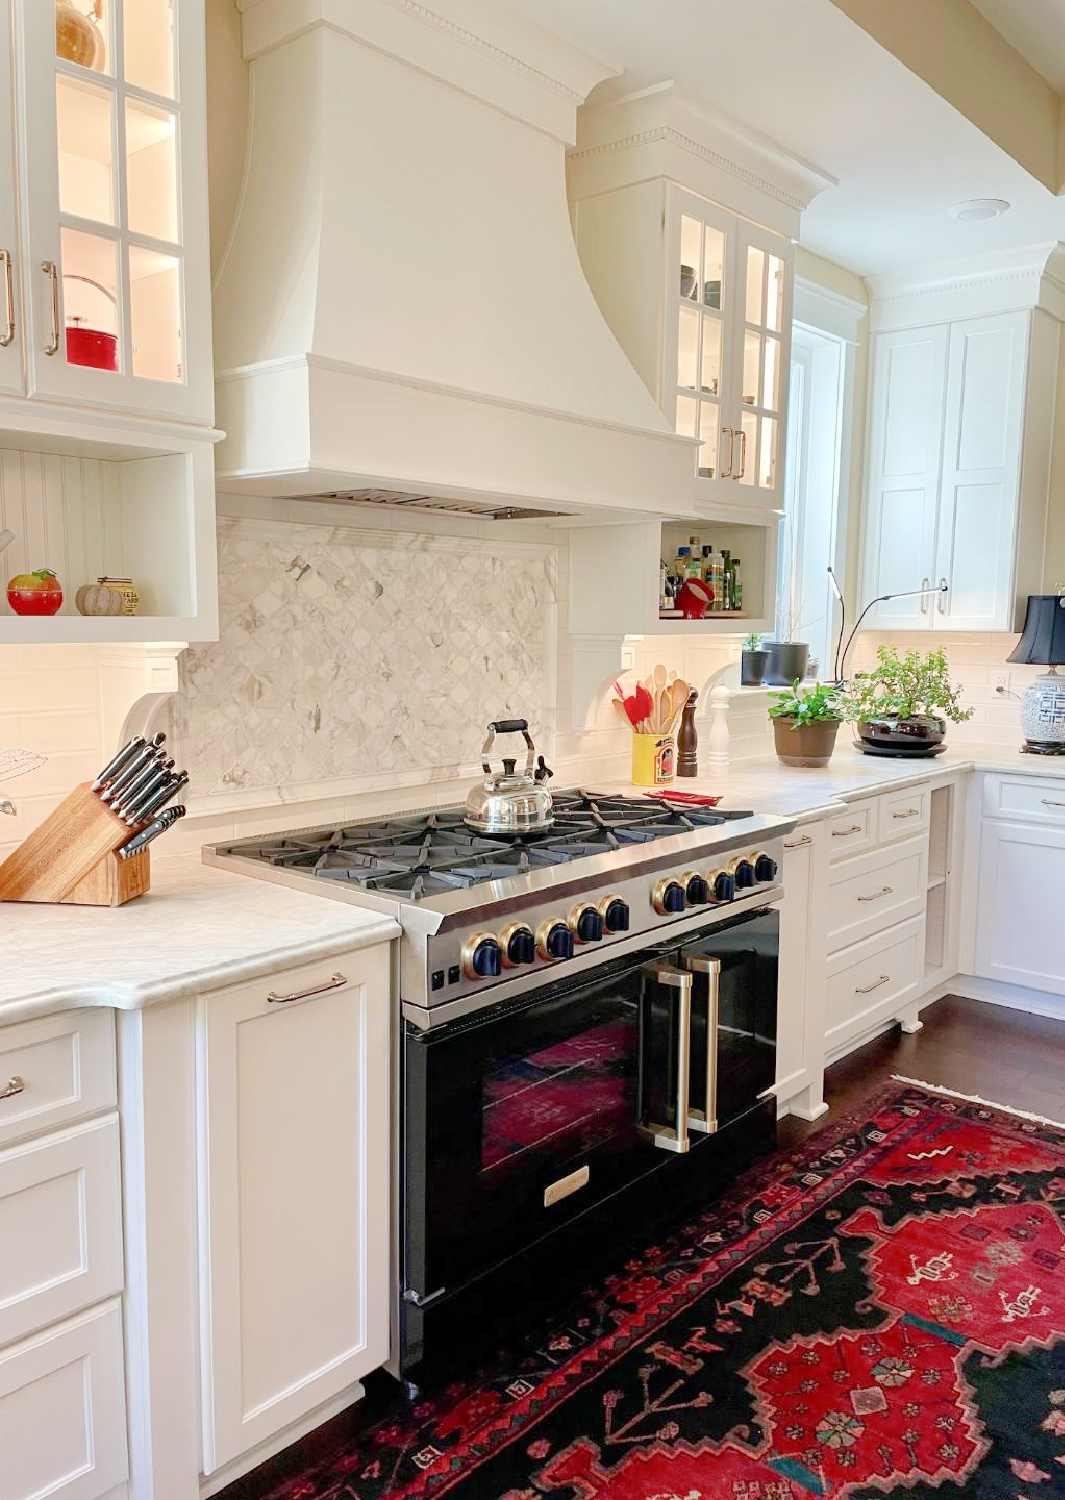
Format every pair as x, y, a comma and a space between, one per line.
108, 283
958, 461
696, 280
10, 346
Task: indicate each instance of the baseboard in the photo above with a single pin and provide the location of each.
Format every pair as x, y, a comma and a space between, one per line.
993, 992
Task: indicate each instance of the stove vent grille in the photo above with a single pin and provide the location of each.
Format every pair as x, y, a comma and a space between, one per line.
433, 504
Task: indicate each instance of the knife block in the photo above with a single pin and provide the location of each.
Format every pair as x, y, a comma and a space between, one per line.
71, 858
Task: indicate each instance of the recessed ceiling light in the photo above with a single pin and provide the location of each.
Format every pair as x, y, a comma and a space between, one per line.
978, 208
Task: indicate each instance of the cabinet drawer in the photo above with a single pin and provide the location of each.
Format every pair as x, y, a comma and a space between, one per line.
875, 891
1025, 797
871, 980
60, 1226
55, 1071
852, 830
63, 1411
902, 814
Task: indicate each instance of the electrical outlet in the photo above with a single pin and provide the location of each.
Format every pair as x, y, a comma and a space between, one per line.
1000, 680
628, 658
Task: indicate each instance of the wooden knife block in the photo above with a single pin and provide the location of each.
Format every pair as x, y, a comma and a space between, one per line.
71, 858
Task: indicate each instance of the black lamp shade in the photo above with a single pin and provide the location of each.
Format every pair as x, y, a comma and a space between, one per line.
1042, 641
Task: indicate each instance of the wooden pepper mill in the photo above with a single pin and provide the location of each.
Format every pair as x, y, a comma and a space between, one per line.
688, 739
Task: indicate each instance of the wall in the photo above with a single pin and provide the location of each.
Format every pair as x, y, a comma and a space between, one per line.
227, 121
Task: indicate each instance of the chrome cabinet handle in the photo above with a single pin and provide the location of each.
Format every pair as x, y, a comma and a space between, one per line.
9, 300
912, 812
705, 1120
52, 272
866, 989
842, 833
798, 843
15, 1086
924, 599
743, 454
1049, 802
727, 473
884, 891
676, 1138
941, 599
335, 983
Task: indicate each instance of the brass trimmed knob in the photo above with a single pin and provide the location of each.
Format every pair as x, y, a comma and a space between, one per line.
519, 945
482, 956
554, 940
696, 888
668, 897
722, 885
615, 914
586, 923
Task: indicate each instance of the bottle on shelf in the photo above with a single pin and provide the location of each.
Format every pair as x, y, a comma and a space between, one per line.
726, 579
737, 585
717, 580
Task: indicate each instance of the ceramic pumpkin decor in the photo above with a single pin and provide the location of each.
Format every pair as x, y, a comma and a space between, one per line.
98, 599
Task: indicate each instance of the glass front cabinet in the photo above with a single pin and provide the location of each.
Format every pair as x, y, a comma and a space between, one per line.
113, 280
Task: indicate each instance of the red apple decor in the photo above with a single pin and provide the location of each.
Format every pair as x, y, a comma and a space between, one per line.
37, 593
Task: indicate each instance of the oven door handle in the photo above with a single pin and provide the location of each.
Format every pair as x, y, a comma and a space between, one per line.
675, 1137
701, 965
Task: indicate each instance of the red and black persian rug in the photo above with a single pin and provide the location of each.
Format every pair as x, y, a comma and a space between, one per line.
882, 1313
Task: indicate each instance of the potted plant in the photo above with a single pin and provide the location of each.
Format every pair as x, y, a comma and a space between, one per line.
753, 661
903, 704
805, 723
788, 657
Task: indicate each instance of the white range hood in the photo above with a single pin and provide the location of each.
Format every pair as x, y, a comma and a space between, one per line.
402, 309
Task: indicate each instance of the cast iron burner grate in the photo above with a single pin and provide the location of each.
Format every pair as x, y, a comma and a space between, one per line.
431, 854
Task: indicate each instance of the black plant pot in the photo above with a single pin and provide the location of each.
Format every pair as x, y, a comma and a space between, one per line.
752, 668
787, 662
919, 735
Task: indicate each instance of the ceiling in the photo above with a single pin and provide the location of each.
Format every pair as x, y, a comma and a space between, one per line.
1036, 29
804, 74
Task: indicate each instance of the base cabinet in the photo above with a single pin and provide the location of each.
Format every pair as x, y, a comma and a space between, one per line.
293, 1127
1021, 880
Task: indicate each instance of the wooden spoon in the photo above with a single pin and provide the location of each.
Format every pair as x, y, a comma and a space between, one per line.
622, 712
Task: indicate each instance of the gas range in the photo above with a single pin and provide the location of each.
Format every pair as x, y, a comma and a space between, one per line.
486, 918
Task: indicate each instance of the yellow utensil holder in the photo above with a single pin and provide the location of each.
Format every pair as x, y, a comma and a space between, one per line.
653, 759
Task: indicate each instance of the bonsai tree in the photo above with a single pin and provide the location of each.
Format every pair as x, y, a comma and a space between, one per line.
908, 687
822, 703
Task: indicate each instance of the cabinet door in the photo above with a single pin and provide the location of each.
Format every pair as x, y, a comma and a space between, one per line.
795, 956
981, 472
113, 176
760, 363
1022, 875
294, 1154
903, 466
10, 320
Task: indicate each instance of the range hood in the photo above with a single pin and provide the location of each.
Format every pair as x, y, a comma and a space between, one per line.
402, 308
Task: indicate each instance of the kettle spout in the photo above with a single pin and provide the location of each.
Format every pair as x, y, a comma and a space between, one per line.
7, 806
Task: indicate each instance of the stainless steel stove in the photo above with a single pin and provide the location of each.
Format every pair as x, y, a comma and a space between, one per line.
487, 918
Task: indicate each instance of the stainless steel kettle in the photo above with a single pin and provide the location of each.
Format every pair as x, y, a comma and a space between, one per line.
511, 801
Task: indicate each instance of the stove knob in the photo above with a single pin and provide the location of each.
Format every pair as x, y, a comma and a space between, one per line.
482, 957
615, 913
519, 945
722, 885
586, 924
765, 867
742, 872
668, 898
554, 940
696, 890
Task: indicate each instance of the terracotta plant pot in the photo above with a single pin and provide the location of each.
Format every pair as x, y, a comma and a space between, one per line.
787, 662
752, 668
919, 735
807, 744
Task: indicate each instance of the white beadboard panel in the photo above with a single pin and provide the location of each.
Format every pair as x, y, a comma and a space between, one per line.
66, 515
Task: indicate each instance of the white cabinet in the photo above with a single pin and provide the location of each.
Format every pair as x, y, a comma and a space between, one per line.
801, 984
957, 469
1020, 884
294, 1130
10, 292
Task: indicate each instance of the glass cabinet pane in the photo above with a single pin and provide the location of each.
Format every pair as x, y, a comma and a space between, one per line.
155, 313
690, 240
83, 33
752, 352
771, 375
708, 432
744, 464
767, 453
687, 408
713, 267
148, 37
687, 348
710, 366
755, 278
89, 300
775, 294
151, 171
85, 134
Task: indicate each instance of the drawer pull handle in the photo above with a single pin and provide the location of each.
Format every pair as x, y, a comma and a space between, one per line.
15, 1086
913, 812
866, 988
842, 833
335, 983
1049, 802
885, 890
798, 844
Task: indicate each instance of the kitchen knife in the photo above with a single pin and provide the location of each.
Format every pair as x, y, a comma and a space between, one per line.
150, 803
111, 770
150, 832
150, 778
147, 755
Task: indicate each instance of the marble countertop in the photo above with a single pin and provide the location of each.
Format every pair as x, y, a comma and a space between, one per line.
197, 929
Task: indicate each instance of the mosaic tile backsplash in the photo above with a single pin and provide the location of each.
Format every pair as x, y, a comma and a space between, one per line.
346, 654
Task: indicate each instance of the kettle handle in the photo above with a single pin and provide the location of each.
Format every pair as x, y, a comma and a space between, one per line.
509, 726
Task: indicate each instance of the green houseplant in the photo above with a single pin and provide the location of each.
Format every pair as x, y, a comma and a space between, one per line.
806, 721
753, 661
902, 705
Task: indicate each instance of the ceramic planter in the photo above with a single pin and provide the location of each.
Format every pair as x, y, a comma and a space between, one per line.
752, 668
787, 662
918, 735
805, 744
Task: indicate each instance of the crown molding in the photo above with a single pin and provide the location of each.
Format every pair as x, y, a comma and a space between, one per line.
827, 311
1005, 281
